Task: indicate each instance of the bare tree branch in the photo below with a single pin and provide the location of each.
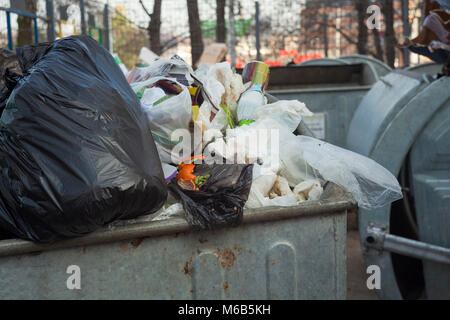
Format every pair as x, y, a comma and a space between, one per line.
145, 9
350, 39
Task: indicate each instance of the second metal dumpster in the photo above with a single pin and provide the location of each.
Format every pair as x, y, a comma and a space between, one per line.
403, 124
332, 91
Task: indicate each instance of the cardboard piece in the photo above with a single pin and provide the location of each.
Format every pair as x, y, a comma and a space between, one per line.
213, 53
147, 56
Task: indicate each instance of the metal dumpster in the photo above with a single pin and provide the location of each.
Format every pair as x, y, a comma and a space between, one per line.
380, 68
403, 123
331, 89
431, 68
277, 253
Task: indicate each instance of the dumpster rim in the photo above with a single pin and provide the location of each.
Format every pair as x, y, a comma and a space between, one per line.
338, 201
319, 89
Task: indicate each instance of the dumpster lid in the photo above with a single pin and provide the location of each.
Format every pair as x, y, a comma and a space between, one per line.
356, 75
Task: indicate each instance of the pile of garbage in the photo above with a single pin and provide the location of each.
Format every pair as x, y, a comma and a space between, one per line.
84, 142
212, 126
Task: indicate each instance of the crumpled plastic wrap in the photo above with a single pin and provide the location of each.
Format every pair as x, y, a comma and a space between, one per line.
303, 158
241, 142
172, 68
371, 184
224, 87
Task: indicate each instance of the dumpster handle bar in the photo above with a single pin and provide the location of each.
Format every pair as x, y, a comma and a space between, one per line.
378, 239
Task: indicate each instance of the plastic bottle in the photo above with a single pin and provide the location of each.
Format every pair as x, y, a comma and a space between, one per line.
257, 73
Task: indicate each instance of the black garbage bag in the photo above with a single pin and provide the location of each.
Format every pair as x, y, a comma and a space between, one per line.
220, 201
9, 74
75, 148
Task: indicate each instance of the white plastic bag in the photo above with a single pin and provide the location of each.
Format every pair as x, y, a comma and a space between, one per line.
262, 184
371, 185
308, 190
283, 116
286, 112
152, 95
166, 117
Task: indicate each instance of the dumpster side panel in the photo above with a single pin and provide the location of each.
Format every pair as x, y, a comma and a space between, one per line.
298, 258
430, 170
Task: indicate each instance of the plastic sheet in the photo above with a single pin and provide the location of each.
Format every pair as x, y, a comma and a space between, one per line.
174, 68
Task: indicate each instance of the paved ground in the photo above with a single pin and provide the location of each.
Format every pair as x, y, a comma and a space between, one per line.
356, 270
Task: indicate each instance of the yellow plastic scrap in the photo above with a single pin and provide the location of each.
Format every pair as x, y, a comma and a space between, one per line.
195, 110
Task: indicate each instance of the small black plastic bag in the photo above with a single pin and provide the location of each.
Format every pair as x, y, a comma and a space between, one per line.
220, 201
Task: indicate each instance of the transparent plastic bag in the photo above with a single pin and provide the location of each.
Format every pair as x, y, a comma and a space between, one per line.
173, 68
371, 185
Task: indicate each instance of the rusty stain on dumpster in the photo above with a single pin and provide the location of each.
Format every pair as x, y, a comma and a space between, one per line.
137, 242
124, 246
202, 240
226, 257
188, 267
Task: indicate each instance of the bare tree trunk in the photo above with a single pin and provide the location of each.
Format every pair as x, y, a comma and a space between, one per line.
154, 28
325, 33
389, 35
220, 28
378, 48
232, 38
361, 7
25, 25
195, 31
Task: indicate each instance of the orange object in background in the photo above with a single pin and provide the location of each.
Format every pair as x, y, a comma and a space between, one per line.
275, 63
288, 53
239, 63
308, 56
296, 58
